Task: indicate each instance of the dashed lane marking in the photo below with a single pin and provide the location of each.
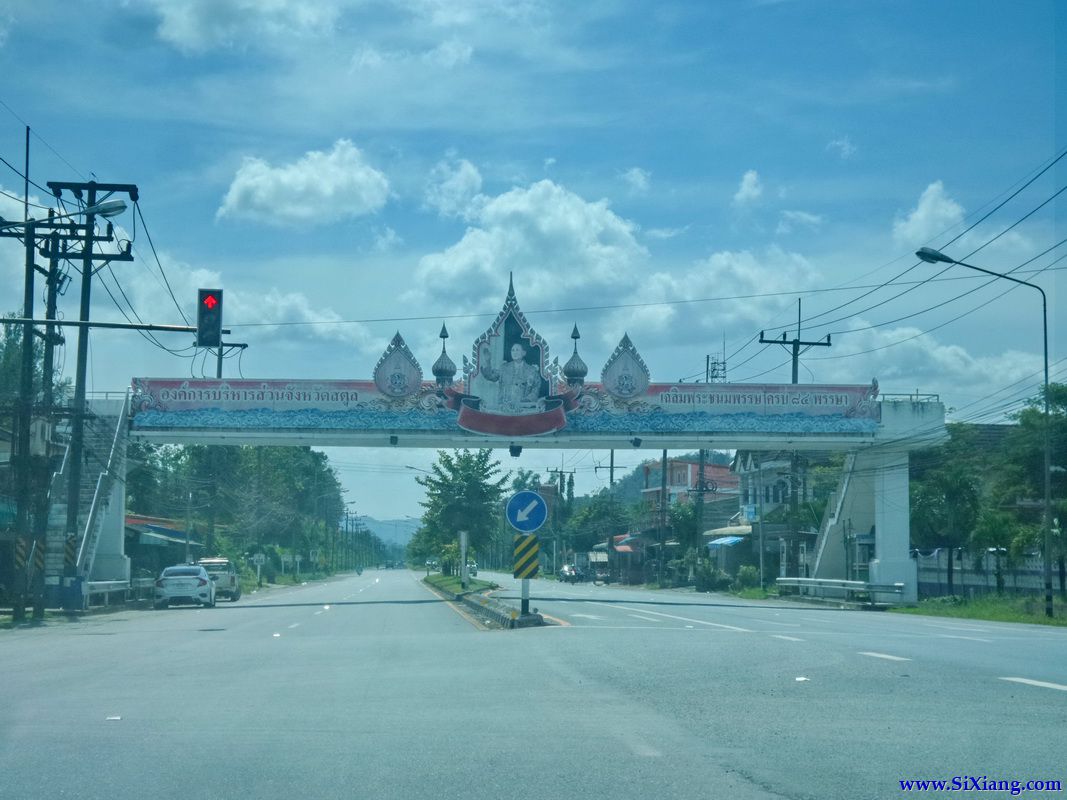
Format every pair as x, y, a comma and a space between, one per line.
673, 616
785, 638
968, 638
294, 625
886, 656
646, 619
1041, 684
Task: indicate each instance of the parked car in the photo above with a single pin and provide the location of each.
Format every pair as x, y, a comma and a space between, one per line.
187, 583
224, 573
472, 568
571, 574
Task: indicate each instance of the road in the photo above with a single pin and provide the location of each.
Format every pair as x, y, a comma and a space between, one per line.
371, 686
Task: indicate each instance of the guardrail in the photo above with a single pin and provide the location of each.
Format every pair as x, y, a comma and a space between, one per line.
848, 590
105, 588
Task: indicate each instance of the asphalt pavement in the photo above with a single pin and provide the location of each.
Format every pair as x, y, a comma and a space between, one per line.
372, 686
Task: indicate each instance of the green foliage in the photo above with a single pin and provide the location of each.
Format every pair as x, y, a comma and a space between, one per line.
463, 492
244, 499
711, 579
747, 577
593, 522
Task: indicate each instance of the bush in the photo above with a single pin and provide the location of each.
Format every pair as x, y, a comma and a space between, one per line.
747, 577
711, 579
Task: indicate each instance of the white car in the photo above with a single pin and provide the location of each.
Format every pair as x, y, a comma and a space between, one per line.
186, 583
224, 574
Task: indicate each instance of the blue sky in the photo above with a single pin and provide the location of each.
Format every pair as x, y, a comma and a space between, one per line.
376, 160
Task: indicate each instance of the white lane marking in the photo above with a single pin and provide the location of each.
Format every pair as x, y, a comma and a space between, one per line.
644, 750
673, 616
318, 612
783, 624
1041, 684
813, 619
325, 608
646, 619
584, 616
886, 656
970, 628
968, 638
785, 638
277, 635
294, 625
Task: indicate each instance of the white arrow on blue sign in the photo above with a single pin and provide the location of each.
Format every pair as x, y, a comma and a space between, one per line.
526, 511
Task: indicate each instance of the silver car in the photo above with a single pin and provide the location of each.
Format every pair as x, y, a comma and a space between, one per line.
187, 583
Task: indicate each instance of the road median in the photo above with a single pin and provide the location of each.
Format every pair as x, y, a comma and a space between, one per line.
476, 599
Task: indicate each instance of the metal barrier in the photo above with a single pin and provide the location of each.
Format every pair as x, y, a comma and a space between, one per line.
847, 590
105, 588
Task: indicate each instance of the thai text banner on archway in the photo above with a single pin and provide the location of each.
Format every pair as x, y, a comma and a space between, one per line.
508, 388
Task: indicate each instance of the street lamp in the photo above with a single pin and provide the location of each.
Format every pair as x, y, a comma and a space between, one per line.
932, 256
107, 208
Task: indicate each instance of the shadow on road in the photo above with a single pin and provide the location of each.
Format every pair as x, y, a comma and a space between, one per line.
671, 603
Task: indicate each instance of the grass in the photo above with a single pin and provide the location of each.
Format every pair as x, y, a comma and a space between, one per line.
451, 583
992, 608
755, 593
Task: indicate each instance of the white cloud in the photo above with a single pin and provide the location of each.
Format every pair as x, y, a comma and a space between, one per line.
665, 233
319, 188
904, 361
843, 147
197, 25
750, 189
558, 245
790, 220
447, 55
726, 272
452, 187
549, 162
387, 240
934, 214
637, 179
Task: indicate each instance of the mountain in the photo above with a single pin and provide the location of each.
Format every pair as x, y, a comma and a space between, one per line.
394, 531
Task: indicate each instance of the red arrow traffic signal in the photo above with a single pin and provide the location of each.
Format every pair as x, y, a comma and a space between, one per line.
210, 301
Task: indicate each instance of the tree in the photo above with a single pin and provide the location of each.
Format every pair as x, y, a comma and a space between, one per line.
944, 508
601, 517
462, 493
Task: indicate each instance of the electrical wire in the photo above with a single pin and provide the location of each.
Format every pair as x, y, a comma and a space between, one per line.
163, 272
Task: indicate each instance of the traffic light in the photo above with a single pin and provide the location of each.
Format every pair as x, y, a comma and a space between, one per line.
209, 318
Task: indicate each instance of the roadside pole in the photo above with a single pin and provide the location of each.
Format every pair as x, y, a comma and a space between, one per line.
524, 608
463, 578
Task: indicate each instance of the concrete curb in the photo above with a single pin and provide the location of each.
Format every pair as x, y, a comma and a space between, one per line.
506, 616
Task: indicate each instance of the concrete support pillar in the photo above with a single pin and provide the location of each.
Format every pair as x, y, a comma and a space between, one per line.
892, 561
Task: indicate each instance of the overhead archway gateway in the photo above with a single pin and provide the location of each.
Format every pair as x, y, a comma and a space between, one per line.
509, 393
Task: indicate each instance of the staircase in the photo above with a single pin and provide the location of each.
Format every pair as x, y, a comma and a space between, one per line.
101, 487
830, 546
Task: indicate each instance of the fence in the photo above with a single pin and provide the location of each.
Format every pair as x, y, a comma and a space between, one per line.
974, 575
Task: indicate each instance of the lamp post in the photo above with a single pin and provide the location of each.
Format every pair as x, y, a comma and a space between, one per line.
932, 256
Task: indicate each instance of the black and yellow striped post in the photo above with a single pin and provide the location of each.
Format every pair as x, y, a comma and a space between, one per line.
38, 557
526, 564
18, 591
70, 553
20, 554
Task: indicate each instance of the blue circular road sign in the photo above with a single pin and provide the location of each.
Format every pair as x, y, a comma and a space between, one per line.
526, 511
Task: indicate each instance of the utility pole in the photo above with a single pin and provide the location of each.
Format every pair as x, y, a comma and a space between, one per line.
793, 567
219, 354
663, 516
701, 488
89, 258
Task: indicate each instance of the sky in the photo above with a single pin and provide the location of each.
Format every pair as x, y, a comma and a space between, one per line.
682, 172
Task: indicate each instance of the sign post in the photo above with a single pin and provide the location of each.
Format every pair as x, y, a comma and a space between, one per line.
298, 558
463, 577
259, 560
526, 512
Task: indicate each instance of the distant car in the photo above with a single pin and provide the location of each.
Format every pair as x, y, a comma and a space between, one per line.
570, 573
472, 568
224, 573
188, 583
